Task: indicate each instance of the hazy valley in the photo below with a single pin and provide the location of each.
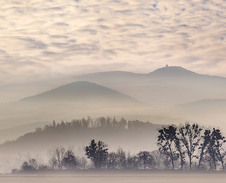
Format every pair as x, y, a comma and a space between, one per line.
169, 95
121, 93
166, 95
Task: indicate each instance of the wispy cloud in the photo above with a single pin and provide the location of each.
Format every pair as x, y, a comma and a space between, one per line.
37, 36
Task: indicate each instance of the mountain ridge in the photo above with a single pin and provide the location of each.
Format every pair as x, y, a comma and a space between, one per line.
173, 71
144, 96
170, 85
158, 71
76, 90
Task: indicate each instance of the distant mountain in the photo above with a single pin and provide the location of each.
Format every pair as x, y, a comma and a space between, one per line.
80, 91
67, 102
210, 104
164, 87
173, 71
212, 111
148, 96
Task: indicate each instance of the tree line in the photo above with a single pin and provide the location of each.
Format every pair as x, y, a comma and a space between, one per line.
100, 158
116, 132
192, 146
98, 123
185, 147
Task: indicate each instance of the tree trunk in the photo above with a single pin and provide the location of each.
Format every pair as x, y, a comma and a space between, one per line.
172, 158
214, 159
190, 162
181, 160
190, 153
221, 158
201, 156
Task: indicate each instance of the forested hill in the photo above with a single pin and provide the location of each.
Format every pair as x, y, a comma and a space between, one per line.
131, 135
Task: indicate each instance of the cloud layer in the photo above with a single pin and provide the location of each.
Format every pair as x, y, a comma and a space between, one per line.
40, 38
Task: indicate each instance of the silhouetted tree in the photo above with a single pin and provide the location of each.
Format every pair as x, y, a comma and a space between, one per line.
218, 145
190, 136
57, 157
122, 123
166, 144
121, 158
203, 145
132, 161
69, 160
97, 152
114, 123
117, 160
179, 147
112, 160
214, 150
146, 160
158, 158
30, 165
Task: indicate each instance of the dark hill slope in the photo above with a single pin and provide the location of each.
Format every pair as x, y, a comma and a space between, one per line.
79, 91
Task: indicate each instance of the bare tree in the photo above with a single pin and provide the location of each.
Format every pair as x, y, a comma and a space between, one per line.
112, 160
121, 158
57, 157
82, 162
158, 158
180, 149
214, 149
166, 144
117, 160
190, 136
219, 141
203, 145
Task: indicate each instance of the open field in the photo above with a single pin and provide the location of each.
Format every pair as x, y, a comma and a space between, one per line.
118, 177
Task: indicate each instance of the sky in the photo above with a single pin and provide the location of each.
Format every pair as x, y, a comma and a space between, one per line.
42, 39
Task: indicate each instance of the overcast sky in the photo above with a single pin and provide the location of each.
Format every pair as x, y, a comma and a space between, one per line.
48, 38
